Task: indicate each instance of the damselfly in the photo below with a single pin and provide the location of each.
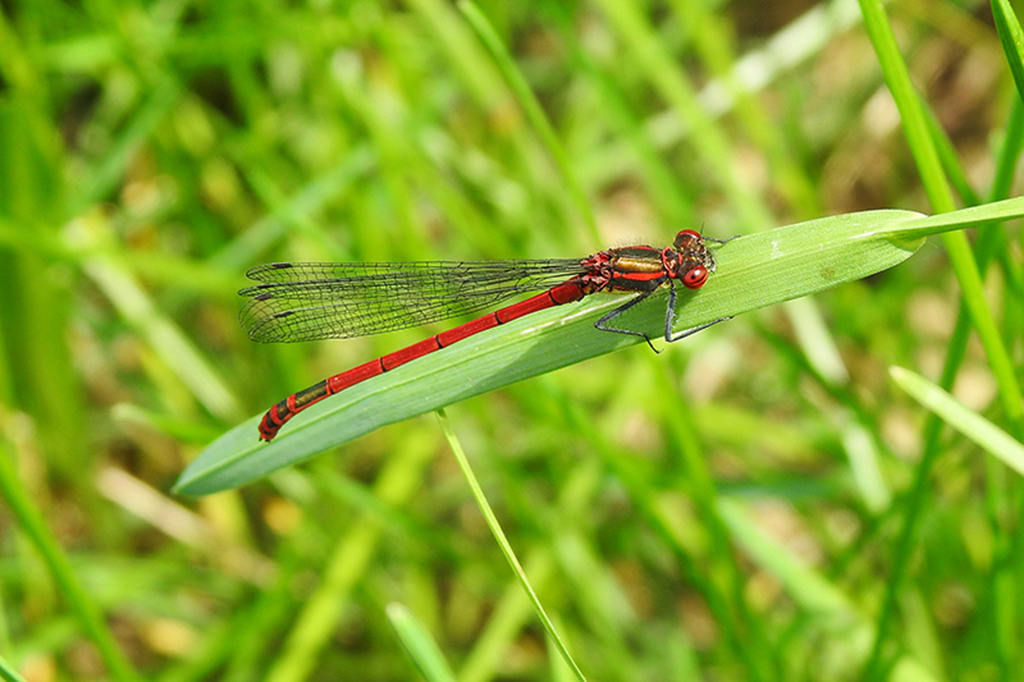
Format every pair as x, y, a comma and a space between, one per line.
308, 301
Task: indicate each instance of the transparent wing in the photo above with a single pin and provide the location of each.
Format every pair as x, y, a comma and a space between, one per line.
308, 301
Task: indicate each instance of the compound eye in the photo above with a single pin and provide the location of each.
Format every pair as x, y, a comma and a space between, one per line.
695, 277
688, 240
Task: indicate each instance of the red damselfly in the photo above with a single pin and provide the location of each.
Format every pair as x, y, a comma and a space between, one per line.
308, 301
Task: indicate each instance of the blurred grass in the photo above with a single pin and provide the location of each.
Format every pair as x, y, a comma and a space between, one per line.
759, 502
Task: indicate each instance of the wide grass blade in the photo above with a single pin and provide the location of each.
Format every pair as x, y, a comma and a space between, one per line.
753, 272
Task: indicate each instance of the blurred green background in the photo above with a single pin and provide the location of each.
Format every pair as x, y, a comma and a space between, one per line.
749, 505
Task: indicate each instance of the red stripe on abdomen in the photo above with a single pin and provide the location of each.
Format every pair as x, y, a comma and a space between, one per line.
280, 413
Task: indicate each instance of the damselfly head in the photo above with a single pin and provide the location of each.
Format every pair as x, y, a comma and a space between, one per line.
694, 261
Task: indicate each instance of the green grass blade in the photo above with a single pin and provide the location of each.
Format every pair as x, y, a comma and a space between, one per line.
79, 599
165, 337
753, 272
712, 144
506, 547
8, 673
822, 600
532, 108
421, 647
915, 126
912, 114
346, 565
1012, 39
984, 433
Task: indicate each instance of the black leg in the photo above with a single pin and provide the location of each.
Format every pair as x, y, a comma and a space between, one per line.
693, 330
670, 317
670, 311
602, 323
